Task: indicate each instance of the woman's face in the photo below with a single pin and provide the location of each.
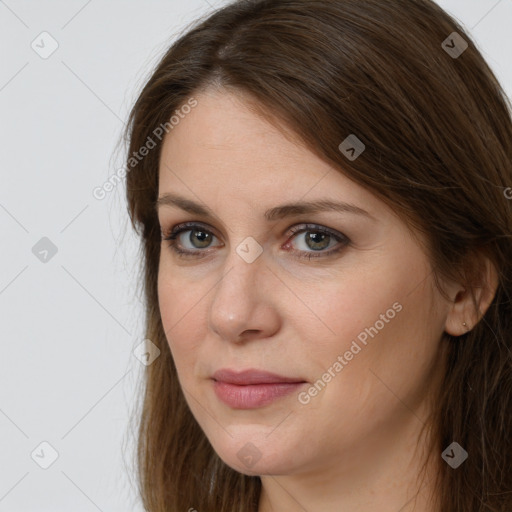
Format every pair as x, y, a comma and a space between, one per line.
338, 303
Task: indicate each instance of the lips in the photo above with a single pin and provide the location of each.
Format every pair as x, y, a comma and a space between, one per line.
247, 377
250, 389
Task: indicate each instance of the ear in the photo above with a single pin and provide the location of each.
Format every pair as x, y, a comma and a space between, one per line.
469, 306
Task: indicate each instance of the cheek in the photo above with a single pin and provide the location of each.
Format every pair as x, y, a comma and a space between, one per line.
378, 315
183, 318
388, 340
342, 308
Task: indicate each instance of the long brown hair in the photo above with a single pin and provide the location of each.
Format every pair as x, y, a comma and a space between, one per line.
437, 131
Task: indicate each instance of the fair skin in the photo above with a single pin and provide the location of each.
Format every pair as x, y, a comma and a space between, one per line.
355, 445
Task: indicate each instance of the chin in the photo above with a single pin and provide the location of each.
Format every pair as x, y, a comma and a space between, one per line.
261, 468
252, 455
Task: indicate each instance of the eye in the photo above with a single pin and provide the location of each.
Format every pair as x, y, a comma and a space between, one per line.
313, 244
316, 240
198, 238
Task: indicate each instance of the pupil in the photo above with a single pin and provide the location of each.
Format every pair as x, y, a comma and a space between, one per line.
316, 239
201, 236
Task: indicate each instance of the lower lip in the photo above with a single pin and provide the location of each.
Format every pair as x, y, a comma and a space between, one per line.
252, 396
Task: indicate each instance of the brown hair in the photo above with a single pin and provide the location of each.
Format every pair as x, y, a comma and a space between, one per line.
438, 135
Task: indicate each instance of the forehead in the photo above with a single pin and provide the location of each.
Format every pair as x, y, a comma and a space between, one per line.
224, 146
223, 130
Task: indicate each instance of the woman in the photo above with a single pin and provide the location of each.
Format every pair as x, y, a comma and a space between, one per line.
320, 187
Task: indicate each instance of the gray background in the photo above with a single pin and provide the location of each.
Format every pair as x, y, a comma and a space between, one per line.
69, 324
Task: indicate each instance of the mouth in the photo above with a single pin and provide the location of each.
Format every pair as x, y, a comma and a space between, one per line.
250, 389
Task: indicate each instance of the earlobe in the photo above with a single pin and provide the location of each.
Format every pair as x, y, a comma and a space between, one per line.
458, 321
469, 306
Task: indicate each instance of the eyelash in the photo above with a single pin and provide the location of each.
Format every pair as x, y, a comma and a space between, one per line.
172, 236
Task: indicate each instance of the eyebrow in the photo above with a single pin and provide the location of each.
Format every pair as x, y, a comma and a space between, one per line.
273, 214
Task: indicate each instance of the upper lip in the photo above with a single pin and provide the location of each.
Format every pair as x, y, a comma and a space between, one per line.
251, 376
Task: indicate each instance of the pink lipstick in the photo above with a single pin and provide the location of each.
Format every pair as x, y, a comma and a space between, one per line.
250, 389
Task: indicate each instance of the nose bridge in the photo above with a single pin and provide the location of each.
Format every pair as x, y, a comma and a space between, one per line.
244, 267
237, 300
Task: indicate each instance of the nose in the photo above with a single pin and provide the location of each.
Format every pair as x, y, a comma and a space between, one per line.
243, 304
